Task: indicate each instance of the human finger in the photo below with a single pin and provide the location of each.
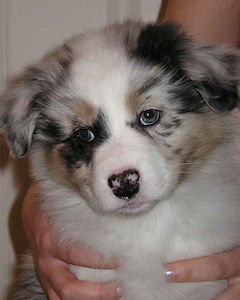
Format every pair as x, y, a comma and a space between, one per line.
234, 280
232, 293
52, 295
81, 255
47, 288
207, 268
68, 287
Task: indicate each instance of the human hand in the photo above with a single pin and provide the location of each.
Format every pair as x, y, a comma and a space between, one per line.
52, 260
214, 267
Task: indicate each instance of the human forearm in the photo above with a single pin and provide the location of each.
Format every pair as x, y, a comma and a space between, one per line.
214, 22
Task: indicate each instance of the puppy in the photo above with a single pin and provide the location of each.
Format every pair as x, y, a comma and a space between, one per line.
131, 139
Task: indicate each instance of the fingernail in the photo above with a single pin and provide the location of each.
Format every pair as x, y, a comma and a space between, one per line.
169, 275
118, 293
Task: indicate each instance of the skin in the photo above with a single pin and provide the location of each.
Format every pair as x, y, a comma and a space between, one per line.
214, 267
212, 22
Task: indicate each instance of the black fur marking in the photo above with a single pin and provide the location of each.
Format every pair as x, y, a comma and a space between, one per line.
162, 44
50, 129
76, 151
175, 123
188, 98
218, 96
166, 144
165, 134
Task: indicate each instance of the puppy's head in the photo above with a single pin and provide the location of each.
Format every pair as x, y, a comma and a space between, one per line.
114, 114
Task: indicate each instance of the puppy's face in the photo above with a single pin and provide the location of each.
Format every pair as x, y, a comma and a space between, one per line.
117, 115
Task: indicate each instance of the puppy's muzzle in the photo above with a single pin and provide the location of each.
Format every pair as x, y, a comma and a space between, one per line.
125, 185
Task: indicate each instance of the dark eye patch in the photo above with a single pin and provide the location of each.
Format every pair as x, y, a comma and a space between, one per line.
76, 150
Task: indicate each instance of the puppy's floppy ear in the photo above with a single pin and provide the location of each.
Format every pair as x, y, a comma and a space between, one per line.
23, 103
214, 72
18, 113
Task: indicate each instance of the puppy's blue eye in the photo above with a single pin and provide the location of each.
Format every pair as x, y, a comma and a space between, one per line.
85, 135
149, 117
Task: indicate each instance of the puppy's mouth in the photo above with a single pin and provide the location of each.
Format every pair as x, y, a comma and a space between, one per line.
134, 207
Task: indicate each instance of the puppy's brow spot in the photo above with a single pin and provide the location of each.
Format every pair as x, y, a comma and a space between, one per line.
132, 101
86, 113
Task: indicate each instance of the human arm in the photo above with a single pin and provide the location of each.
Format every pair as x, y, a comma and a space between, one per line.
211, 22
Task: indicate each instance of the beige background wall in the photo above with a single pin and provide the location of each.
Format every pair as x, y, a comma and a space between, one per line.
28, 28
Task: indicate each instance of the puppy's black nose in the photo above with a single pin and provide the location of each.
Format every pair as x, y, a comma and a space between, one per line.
125, 185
